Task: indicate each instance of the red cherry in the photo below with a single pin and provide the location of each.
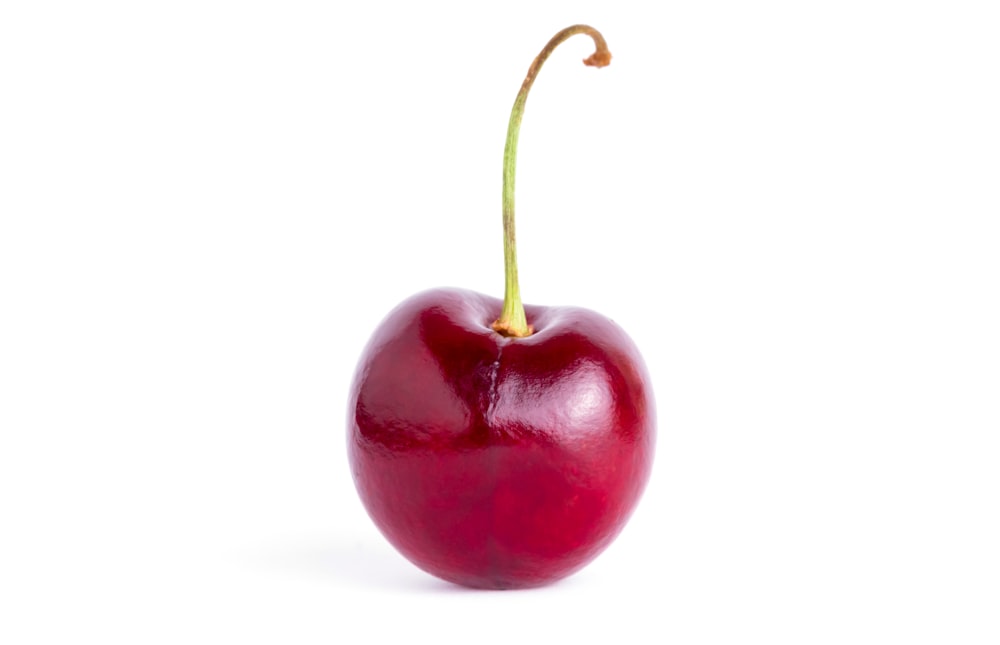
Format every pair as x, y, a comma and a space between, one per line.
499, 462
501, 452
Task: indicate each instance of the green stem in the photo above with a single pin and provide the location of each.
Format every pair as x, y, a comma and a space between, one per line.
512, 321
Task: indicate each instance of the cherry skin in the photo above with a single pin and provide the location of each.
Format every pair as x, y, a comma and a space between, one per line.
494, 461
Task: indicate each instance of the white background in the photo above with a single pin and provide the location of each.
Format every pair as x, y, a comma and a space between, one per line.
206, 207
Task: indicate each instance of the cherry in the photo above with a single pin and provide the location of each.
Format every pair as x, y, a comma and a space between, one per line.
501, 452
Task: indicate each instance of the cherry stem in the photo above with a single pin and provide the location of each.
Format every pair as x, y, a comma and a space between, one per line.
512, 321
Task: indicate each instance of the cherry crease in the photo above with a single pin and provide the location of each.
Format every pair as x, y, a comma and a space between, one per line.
499, 462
